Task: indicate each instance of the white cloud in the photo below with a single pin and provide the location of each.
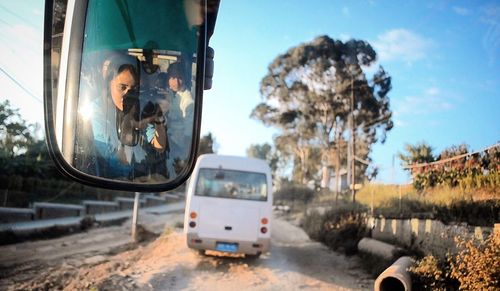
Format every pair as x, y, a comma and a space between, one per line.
491, 40
345, 37
490, 14
402, 45
461, 10
346, 11
433, 91
431, 101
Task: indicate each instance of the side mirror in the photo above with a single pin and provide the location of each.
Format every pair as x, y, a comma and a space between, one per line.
123, 86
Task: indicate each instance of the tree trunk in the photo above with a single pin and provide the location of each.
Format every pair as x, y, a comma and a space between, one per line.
337, 176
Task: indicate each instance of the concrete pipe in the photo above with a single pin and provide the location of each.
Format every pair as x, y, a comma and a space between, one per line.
377, 248
396, 277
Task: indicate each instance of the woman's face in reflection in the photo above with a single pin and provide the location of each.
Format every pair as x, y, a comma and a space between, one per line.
120, 86
175, 84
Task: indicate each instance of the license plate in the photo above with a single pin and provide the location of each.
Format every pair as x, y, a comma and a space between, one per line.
227, 247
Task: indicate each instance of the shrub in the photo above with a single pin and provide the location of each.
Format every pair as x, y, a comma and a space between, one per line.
340, 228
294, 193
477, 266
431, 274
313, 225
478, 213
403, 208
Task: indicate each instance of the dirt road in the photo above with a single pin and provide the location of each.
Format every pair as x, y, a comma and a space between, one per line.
104, 259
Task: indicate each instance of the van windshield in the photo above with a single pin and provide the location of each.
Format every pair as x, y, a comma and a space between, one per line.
231, 184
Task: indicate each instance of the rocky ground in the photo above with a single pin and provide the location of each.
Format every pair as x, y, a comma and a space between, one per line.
105, 259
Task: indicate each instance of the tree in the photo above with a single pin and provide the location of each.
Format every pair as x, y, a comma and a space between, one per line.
15, 133
207, 144
453, 151
264, 152
307, 93
21, 153
416, 154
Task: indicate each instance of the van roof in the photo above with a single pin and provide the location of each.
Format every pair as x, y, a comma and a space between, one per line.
233, 163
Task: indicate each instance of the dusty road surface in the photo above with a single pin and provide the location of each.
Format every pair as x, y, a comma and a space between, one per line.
104, 259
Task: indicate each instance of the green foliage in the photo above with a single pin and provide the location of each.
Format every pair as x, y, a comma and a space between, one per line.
429, 273
478, 213
293, 193
21, 153
405, 208
415, 154
28, 174
313, 225
476, 266
207, 144
15, 133
466, 179
340, 228
307, 95
472, 171
264, 152
20, 191
443, 203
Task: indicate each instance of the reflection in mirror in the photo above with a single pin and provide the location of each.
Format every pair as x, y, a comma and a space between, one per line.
132, 118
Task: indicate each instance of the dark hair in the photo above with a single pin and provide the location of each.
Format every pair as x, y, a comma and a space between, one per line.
175, 70
118, 64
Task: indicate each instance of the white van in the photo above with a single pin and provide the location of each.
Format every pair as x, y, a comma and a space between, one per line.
229, 205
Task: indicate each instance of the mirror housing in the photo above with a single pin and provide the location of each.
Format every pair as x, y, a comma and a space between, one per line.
123, 95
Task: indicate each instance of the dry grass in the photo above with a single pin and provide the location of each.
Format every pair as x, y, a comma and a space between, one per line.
443, 195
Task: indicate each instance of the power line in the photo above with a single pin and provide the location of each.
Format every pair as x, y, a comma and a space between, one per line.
449, 159
20, 85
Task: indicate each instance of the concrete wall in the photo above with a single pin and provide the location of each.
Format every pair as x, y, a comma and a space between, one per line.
429, 236
151, 200
9, 214
54, 210
97, 207
44, 210
125, 203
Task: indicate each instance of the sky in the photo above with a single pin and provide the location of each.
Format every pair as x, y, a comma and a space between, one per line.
443, 57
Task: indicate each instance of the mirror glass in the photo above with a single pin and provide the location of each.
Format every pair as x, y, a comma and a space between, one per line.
126, 102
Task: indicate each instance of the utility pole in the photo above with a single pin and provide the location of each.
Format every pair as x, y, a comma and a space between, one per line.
352, 139
135, 218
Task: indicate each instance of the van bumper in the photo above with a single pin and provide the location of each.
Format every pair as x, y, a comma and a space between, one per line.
261, 245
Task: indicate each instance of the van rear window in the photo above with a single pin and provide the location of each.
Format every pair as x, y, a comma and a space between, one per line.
231, 184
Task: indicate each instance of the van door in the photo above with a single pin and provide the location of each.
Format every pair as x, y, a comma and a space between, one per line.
238, 221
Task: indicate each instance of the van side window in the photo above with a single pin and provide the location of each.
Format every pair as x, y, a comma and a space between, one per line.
231, 184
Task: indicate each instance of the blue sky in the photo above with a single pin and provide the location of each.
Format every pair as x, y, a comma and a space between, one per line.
443, 56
